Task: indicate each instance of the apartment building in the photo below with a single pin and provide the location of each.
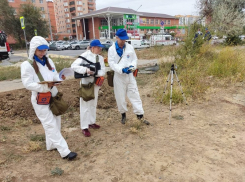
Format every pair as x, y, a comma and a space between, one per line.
60, 13
187, 20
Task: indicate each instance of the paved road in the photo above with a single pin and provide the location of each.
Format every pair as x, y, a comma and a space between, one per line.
22, 55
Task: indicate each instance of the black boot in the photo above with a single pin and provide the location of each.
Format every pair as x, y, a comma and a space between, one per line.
70, 156
123, 121
141, 118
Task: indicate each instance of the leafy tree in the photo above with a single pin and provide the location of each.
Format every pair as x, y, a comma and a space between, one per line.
225, 16
10, 22
66, 38
33, 20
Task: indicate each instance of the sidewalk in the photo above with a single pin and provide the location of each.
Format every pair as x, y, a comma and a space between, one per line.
17, 84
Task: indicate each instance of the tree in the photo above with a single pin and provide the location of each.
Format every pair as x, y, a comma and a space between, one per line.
10, 22
33, 20
225, 16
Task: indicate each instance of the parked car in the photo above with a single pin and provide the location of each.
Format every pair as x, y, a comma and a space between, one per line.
66, 45
215, 37
75, 45
106, 46
80, 45
242, 37
138, 44
55, 46
84, 44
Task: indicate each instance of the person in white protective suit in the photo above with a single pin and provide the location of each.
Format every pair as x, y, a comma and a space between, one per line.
45, 66
88, 108
123, 60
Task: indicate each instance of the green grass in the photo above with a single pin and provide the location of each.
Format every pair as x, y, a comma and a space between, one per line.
198, 71
9, 73
13, 72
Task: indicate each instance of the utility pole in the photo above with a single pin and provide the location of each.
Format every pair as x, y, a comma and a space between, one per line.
49, 24
136, 20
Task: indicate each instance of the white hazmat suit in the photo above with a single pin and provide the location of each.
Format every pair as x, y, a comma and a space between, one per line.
125, 84
88, 109
50, 122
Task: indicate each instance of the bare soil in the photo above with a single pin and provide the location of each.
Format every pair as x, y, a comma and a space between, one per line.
204, 143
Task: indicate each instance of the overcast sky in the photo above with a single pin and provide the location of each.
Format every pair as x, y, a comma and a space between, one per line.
170, 7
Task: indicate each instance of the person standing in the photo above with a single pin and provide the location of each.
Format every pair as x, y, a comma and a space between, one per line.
88, 108
207, 35
30, 79
123, 60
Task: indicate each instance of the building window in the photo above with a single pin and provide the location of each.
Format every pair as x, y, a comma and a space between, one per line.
67, 14
43, 16
41, 1
73, 25
74, 31
33, 1
169, 22
72, 9
68, 21
103, 22
79, 8
72, 3
11, 1
147, 21
42, 8
156, 21
79, 2
66, 9
80, 13
152, 21
65, 4
68, 31
23, 0
68, 25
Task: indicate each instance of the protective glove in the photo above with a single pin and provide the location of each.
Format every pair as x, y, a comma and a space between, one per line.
131, 68
125, 70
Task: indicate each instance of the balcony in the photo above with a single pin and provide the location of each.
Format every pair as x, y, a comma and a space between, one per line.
90, 3
72, 9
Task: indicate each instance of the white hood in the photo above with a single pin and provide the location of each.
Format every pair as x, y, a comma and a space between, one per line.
35, 42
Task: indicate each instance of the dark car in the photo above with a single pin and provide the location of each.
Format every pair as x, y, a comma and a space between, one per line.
106, 46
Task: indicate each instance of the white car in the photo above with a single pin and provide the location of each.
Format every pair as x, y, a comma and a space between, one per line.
215, 37
242, 37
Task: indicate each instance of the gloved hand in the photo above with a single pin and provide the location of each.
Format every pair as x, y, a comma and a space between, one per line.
131, 68
125, 70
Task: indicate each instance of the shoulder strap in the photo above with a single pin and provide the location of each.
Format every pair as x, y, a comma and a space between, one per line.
123, 52
38, 74
85, 59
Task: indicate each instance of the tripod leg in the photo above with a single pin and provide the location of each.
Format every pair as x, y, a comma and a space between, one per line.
166, 86
170, 107
183, 95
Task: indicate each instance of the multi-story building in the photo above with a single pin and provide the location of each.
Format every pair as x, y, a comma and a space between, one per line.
59, 14
187, 20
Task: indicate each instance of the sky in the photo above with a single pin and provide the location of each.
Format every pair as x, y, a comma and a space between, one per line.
169, 7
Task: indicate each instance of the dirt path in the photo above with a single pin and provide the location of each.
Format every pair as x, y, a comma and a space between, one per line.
206, 146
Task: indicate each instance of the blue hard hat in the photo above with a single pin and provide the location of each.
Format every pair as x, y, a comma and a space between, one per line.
42, 47
122, 34
96, 42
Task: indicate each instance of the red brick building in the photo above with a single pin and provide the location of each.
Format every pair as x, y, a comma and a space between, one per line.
104, 23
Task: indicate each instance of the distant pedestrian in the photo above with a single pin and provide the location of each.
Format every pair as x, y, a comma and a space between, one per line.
207, 35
